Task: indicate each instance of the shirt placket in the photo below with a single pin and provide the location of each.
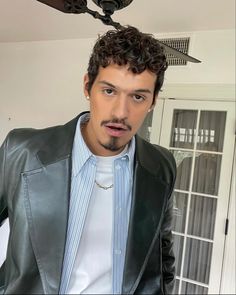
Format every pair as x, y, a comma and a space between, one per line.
77, 214
120, 222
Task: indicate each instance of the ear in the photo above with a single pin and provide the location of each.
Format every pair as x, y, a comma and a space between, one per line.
86, 81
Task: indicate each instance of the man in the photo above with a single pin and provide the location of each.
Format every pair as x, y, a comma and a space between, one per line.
89, 203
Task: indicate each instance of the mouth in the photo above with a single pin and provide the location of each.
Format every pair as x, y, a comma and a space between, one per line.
116, 129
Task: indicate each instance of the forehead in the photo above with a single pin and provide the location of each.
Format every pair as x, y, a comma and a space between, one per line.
121, 76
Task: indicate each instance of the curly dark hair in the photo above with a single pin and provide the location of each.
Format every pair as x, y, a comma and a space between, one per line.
128, 46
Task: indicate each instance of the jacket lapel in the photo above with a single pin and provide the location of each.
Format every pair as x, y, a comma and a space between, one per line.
46, 198
147, 206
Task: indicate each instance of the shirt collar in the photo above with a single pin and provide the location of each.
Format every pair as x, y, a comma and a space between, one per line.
129, 154
81, 153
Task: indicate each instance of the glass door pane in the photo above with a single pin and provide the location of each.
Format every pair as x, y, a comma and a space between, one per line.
206, 175
188, 288
211, 131
202, 214
183, 128
184, 161
197, 260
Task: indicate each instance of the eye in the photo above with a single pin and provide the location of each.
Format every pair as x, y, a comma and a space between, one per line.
108, 91
138, 98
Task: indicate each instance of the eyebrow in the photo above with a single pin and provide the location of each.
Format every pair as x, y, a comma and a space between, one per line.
137, 90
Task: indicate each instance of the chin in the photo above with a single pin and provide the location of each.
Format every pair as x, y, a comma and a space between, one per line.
113, 144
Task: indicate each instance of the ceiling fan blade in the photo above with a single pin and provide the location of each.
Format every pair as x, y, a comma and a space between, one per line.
58, 4
178, 53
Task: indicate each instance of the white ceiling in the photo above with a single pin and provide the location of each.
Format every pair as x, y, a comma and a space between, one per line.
30, 20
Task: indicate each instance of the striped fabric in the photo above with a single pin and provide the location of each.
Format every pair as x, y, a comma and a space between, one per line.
83, 178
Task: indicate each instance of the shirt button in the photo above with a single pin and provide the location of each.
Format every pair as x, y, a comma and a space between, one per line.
118, 252
119, 209
117, 167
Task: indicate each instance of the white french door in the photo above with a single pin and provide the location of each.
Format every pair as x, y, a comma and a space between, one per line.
200, 134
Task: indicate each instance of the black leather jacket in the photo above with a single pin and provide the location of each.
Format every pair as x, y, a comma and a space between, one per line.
35, 169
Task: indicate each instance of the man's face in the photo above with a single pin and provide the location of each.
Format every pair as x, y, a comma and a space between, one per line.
119, 103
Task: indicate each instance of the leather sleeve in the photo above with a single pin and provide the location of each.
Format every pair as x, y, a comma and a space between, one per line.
3, 206
2, 275
168, 259
166, 238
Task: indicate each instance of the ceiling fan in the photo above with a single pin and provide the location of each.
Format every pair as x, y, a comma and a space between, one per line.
108, 7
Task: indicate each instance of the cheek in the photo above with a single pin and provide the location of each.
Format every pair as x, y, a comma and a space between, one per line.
94, 107
102, 111
98, 112
139, 118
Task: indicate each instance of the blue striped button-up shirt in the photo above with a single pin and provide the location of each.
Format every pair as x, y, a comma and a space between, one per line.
82, 182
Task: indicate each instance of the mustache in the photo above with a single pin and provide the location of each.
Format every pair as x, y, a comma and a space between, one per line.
117, 121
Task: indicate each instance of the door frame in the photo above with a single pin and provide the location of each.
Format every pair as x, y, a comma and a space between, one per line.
227, 282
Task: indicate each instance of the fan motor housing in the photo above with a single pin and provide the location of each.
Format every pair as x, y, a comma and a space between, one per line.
109, 6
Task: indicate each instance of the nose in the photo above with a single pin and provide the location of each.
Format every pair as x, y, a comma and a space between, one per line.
120, 108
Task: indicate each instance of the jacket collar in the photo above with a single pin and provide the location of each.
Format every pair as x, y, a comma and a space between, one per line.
60, 142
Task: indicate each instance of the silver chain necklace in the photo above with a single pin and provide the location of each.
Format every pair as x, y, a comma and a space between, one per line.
103, 187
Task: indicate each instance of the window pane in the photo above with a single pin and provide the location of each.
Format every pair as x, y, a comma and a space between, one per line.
179, 212
183, 129
202, 217
176, 287
184, 164
197, 260
145, 129
188, 288
207, 173
178, 250
211, 131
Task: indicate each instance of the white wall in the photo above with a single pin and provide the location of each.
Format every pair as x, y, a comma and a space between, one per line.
41, 82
